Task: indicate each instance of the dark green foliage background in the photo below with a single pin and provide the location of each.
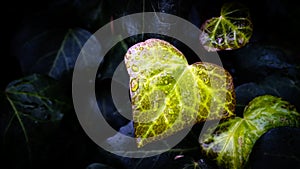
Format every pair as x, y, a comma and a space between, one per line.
31, 30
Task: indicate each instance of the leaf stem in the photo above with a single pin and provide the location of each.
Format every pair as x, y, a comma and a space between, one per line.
18, 117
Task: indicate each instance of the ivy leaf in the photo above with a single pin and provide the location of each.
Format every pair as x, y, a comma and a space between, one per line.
232, 141
34, 107
58, 58
231, 30
169, 95
34, 96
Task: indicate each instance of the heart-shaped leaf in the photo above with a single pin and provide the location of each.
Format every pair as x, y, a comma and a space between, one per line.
232, 141
169, 95
232, 30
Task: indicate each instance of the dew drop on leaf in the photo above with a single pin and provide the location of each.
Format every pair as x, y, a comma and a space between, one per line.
165, 91
135, 68
134, 84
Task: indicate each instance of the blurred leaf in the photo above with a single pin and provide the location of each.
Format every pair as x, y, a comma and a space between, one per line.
35, 105
36, 98
232, 30
161, 161
257, 61
232, 141
284, 87
277, 148
118, 142
169, 95
98, 166
54, 52
276, 85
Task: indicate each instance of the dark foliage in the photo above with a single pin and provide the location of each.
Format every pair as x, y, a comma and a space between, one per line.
40, 41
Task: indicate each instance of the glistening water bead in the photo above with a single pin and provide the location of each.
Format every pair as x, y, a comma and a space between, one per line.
134, 84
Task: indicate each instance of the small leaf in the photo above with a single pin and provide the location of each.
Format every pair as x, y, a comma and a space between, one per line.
169, 95
232, 141
232, 30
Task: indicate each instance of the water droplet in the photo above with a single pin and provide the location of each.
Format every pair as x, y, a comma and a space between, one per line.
171, 112
134, 84
206, 80
134, 68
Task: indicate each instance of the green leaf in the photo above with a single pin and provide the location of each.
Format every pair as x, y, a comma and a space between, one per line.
35, 97
232, 30
232, 141
33, 109
169, 95
54, 52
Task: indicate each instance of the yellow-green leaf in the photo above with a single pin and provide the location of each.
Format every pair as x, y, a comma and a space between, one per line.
169, 95
232, 141
231, 30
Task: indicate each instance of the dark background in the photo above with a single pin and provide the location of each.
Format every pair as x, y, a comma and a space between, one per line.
276, 22
275, 38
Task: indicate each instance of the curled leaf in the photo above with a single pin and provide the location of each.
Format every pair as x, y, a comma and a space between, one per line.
231, 30
232, 141
169, 95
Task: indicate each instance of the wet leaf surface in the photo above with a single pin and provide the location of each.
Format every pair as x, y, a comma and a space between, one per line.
169, 95
232, 141
231, 30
